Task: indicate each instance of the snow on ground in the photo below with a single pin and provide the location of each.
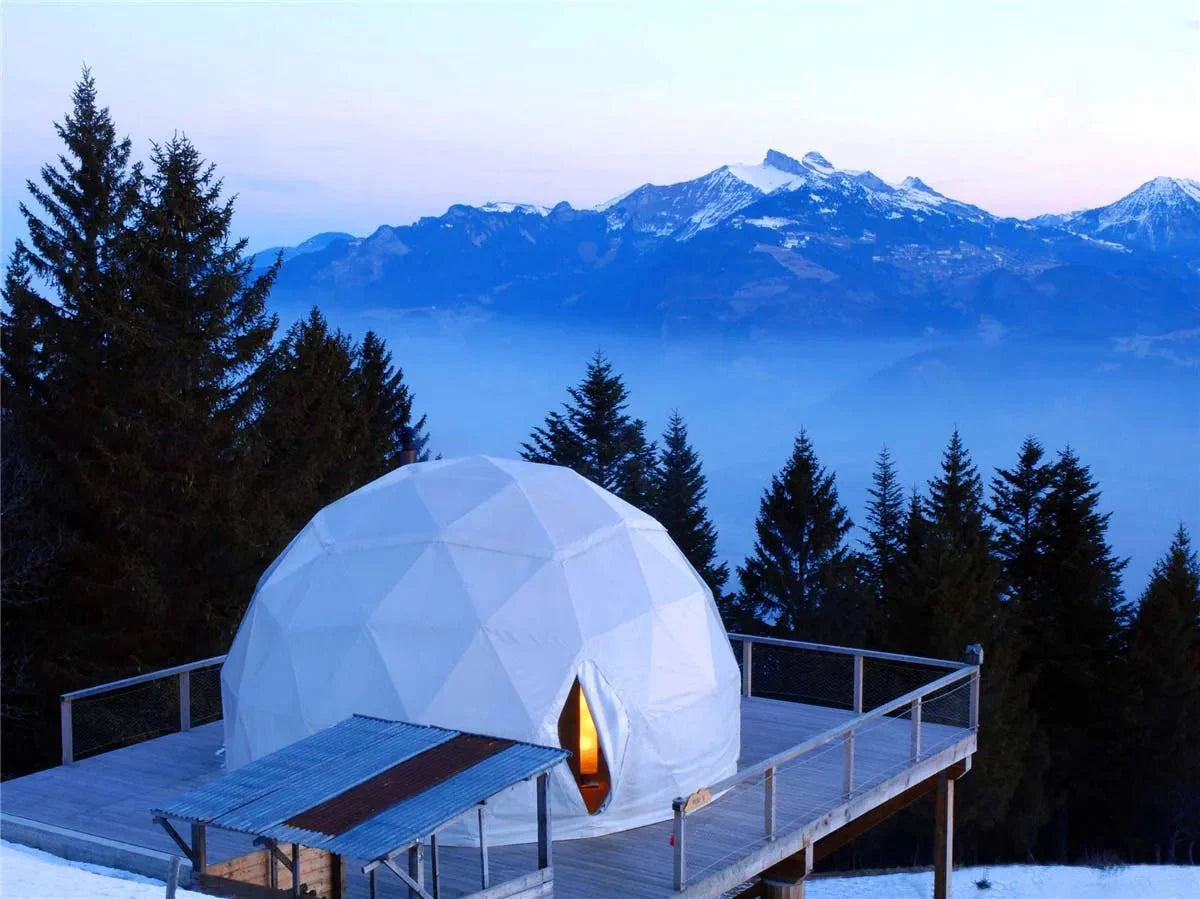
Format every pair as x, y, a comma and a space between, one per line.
31, 874
1022, 882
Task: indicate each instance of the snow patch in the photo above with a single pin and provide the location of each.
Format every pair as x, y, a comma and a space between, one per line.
33, 874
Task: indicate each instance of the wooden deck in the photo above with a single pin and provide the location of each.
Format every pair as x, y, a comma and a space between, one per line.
108, 797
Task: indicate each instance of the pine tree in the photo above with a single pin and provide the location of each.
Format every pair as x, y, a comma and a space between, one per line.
180, 397
1164, 710
1018, 512
679, 491
802, 580
63, 291
1018, 500
885, 541
951, 597
387, 405
594, 435
1075, 617
310, 433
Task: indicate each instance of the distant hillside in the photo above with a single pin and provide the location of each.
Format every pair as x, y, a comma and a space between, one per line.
785, 244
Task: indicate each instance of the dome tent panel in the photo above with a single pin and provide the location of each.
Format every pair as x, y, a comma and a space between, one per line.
473, 594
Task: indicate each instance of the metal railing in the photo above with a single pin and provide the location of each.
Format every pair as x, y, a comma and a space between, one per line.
961, 676
183, 675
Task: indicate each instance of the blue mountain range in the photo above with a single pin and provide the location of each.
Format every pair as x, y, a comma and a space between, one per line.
788, 244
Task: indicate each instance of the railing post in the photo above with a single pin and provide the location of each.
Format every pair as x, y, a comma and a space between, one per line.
677, 840
185, 700
68, 733
974, 656
858, 684
769, 805
747, 665
915, 742
848, 763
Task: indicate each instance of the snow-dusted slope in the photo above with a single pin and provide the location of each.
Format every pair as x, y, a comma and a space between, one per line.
1022, 882
31, 874
1163, 214
682, 210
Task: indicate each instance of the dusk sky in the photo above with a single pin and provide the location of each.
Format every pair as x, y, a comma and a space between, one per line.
344, 117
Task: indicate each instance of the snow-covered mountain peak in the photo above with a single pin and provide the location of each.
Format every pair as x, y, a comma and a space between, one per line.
524, 208
815, 160
784, 163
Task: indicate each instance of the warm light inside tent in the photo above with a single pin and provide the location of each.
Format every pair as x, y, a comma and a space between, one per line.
589, 742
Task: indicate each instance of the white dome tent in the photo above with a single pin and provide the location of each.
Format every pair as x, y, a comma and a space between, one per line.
505, 598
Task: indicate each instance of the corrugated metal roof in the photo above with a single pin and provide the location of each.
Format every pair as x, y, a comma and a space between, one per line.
311, 784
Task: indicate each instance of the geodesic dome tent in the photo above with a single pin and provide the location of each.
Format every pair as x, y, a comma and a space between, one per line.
499, 597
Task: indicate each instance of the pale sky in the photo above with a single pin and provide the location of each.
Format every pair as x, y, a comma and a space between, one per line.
347, 116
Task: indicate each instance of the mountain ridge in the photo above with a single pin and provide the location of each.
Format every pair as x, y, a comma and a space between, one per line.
787, 243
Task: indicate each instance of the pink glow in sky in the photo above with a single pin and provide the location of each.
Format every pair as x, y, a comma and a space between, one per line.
344, 117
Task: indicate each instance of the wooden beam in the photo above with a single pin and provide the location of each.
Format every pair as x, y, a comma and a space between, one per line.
199, 849
295, 869
173, 877
943, 837
179, 841
416, 865
414, 888
517, 886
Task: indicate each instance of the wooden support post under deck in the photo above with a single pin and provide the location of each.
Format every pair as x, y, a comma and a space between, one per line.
485, 878
786, 879
545, 845
943, 837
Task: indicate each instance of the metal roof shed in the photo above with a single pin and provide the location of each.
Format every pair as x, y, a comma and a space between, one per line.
373, 790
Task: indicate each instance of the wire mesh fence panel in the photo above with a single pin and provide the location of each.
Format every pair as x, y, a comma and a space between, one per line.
125, 716
206, 695
803, 675
885, 680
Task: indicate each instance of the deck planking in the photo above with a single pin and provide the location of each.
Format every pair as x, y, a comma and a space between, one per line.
109, 796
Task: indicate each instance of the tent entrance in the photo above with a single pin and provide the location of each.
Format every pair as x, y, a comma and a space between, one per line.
577, 733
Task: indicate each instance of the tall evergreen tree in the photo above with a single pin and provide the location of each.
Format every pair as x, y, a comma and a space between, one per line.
387, 405
62, 291
1019, 515
801, 579
679, 491
1018, 509
595, 436
1164, 719
885, 541
180, 396
1075, 616
310, 432
949, 598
